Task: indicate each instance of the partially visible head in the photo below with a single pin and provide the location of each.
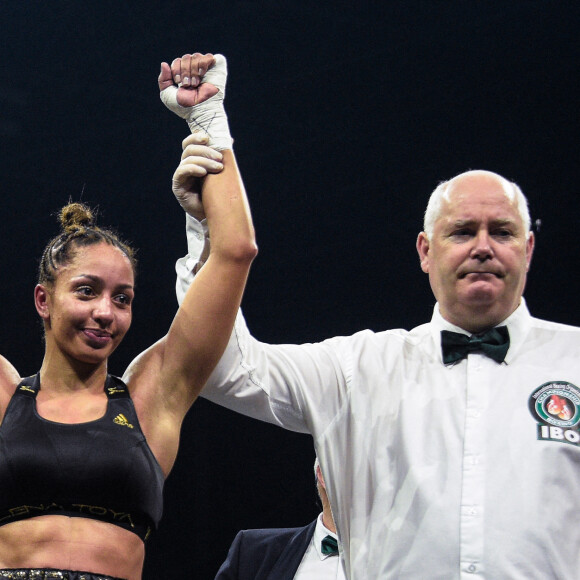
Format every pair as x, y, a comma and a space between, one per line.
441, 194
477, 248
318, 478
327, 518
78, 230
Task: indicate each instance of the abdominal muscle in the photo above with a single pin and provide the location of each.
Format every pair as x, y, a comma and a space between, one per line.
67, 543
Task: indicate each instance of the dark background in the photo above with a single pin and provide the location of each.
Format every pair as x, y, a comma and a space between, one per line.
346, 115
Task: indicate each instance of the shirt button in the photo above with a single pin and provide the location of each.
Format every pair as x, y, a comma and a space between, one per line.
472, 568
198, 236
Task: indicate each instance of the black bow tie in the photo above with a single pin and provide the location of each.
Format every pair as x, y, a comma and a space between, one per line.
329, 546
494, 343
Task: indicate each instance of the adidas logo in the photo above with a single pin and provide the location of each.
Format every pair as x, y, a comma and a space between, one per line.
120, 419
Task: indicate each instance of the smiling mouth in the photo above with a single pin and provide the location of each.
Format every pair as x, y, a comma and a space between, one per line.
97, 336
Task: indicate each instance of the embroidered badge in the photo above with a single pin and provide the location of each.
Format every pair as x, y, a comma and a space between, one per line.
556, 405
120, 419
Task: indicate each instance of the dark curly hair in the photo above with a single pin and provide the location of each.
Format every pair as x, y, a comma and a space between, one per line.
78, 230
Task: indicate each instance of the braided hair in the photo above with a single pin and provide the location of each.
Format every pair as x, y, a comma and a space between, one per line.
78, 230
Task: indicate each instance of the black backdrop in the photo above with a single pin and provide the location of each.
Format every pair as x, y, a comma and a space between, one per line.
345, 115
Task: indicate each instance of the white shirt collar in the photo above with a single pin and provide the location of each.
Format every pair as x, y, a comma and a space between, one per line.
320, 532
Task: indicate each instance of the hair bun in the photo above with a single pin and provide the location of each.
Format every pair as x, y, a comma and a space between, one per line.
75, 216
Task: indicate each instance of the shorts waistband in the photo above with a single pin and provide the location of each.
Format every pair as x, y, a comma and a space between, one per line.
49, 574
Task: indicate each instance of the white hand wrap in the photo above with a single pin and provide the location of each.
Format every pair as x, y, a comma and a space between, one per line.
210, 116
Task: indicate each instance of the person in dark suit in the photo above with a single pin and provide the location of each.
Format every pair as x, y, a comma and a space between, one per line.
287, 553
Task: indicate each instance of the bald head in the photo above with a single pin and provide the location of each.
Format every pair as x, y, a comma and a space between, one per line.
442, 191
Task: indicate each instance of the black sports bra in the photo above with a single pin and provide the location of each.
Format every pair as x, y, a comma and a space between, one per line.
102, 469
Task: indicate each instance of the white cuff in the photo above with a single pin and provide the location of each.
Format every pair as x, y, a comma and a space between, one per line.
197, 237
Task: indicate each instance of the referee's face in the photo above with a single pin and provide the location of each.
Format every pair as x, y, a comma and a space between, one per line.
479, 254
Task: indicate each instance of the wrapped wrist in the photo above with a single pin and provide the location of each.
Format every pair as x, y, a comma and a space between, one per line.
209, 116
